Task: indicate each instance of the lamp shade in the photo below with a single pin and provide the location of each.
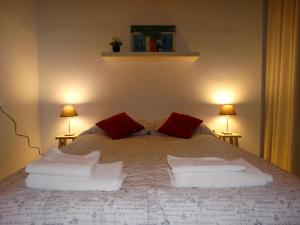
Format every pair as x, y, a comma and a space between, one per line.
68, 111
227, 110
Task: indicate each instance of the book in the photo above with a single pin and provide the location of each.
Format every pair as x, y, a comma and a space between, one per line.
138, 42
153, 45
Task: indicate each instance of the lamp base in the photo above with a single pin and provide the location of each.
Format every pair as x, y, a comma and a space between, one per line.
224, 132
69, 134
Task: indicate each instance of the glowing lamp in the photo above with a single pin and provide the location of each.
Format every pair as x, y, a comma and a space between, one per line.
68, 111
227, 110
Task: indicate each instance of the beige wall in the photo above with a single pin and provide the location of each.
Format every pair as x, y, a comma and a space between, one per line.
227, 33
18, 83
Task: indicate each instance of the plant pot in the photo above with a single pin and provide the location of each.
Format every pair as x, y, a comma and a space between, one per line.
158, 47
116, 48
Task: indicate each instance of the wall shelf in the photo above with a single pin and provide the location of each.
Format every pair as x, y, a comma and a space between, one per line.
149, 56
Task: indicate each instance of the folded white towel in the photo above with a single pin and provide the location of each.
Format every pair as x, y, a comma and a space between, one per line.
107, 177
55, 162
251, 176
208, 164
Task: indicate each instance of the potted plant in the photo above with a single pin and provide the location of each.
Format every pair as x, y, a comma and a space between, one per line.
116, 44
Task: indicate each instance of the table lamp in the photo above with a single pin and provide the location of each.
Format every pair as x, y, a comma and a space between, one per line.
227, 110
68, 111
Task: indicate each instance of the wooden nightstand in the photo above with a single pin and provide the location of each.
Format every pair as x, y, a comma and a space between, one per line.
62, 139
233, 137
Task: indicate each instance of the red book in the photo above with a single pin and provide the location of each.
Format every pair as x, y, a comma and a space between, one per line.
152, 45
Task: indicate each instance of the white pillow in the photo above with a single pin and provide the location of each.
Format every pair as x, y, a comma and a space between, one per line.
203, 129
93, 130
97, 130
150, 128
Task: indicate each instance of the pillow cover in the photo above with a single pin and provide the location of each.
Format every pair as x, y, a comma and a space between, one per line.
203, 129
158, 123
92, 130
119, 126
97, 130
180, 125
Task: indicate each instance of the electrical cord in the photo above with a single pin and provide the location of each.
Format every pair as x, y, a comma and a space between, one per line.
16, 132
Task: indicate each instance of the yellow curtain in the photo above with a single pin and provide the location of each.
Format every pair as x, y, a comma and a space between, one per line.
280, 81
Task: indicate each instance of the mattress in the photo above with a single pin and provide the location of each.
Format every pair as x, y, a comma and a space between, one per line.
146, 196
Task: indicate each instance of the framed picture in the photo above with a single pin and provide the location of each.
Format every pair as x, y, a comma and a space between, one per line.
153, 38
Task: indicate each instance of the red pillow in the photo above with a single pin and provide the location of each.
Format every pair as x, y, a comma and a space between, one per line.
119, 126
180, 125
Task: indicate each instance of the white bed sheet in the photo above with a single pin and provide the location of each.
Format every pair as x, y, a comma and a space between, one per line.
146, 196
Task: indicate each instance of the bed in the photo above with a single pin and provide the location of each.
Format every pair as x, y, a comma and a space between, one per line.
146, 196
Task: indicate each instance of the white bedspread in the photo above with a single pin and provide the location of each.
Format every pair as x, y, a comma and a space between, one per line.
146, 196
